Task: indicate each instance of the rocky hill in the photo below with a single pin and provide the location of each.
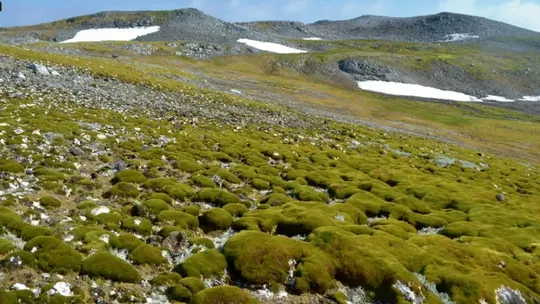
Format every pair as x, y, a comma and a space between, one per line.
194, 25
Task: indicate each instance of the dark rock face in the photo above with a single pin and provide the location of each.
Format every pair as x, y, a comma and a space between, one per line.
364, 70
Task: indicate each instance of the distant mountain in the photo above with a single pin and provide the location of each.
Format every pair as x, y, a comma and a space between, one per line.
194, 25
431, 28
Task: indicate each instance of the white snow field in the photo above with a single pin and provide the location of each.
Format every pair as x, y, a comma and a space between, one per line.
312, 38
530, 98
271, 47
415, 90
497, 98
459, 37
112, 34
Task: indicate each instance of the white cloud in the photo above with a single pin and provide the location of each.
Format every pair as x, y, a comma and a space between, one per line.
295, 7
517, 12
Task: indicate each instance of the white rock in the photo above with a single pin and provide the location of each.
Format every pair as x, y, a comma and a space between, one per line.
18, 131
19, 286
137, 222
40, 70
21, 75
62, 288
99, 210
101, 136
236, 92
3, 124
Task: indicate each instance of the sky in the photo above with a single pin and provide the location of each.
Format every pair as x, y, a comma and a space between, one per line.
524, 13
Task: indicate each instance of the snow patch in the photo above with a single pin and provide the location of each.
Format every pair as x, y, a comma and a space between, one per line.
312, 38
112, 34
459, 37
270, 47
415, 90
530, 98
497, 98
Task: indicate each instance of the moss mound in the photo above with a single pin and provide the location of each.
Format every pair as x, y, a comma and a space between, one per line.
50, 202
109, 267
53, 255
146, 254
208, 264
218, 197
129, 176
223, 294
215, 219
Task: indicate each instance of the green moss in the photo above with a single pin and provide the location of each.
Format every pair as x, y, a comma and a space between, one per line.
53, 255
129, 176
193, 284
50, 202
277, 199
194, 210
203, 181
27, 258
176, 192
339, 297
223, 294
29, 232
168, 279
10, 166
179, 293
17, 297
167, 230
259, 184
202, 242
123, 189
187, 166
260, 258
125, 241
161, 196
146, 254
178, 218
207, 264
5, 246
158, 184
87, 205
218, 197
109, 267
215, 219
237, 210
138, 225
155, 206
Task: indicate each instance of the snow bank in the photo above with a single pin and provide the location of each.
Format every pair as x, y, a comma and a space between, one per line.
270, 47
459, 37
497, 98
415, 90
530, 98
112, 34
312, 38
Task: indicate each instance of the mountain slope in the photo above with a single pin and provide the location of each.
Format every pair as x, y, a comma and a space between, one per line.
430, 28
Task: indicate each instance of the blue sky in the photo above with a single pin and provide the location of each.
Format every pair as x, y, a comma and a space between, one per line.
525, 13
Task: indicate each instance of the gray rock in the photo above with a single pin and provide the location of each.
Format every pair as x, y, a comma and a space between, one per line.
53, 72
21, 75
501, 197
40, 70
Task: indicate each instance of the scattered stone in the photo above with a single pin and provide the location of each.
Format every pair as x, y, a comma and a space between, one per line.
40, 70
